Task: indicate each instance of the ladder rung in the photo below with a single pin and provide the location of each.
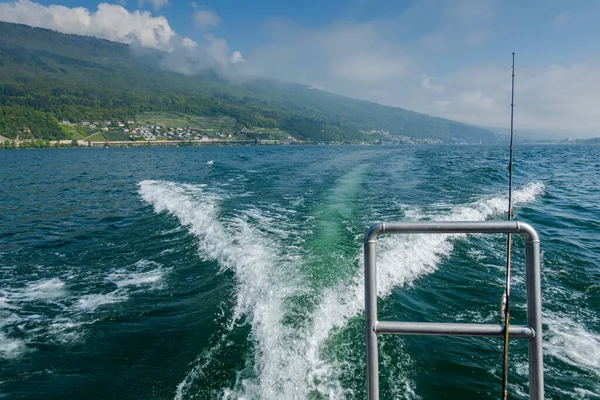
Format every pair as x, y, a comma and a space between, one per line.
452, 329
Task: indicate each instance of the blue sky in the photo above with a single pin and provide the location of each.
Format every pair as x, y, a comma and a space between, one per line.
443, 58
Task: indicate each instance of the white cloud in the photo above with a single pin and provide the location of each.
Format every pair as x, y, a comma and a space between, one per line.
550, 98
156, 4
369, 67
344, 54
210, 53
427, 83
237, 57
206, 19
109, 21
187, 42
113, 22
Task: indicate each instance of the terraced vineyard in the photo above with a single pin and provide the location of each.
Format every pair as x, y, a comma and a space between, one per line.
217, 124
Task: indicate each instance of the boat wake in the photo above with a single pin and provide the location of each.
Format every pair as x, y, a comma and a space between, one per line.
293, 325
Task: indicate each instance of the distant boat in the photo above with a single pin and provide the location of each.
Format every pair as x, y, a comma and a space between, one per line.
211, 162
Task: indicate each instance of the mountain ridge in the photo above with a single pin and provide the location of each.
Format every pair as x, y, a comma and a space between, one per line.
47, 76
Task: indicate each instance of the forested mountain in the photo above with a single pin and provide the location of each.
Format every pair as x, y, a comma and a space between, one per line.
46, 76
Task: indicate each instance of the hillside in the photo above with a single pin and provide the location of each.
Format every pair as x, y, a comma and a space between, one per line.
46, 76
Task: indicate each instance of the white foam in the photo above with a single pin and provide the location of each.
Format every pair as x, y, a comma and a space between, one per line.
136, 279
264, 279
66, 331
4, 303
276, 222
586, 394
12, 303
15, 313
288, 361
571, 342
65, 312
91, 302
11, 348
147, 273
41, 290
239, 248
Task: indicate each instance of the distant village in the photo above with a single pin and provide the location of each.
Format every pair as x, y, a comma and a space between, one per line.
401, 138
130, 133
149, 132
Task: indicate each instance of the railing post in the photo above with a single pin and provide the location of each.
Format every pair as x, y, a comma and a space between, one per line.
371, 316
534, 311
532, 331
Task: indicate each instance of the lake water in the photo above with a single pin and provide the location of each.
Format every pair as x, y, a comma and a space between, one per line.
236, 272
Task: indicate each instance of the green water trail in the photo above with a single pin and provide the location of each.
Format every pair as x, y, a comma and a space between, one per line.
329, 254
331, 250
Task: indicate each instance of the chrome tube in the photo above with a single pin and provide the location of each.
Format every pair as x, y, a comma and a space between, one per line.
531, 331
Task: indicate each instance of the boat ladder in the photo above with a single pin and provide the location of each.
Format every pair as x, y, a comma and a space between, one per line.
531, 331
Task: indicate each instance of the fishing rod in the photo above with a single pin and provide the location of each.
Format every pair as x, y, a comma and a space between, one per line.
506, 297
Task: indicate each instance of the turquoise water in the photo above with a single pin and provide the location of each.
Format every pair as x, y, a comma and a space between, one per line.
154, 274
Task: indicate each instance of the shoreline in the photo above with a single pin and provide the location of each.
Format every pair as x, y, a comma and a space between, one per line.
43, 144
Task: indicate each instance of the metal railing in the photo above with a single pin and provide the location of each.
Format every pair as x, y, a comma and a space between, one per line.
532, 331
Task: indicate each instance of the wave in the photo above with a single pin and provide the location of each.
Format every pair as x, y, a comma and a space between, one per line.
567, 340
10, 347
572, 343
289, 361
143, 275
90, 302
40, 290
265, 277
48, 311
